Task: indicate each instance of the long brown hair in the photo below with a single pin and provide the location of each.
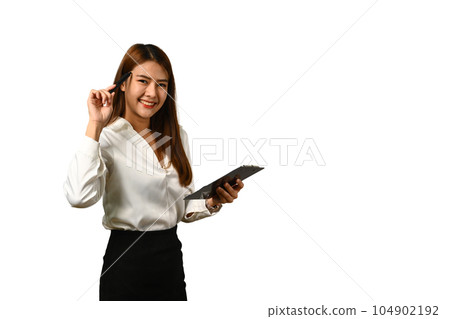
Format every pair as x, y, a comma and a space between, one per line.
164, 121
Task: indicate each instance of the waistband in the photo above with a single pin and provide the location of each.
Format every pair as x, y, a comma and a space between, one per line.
119, 233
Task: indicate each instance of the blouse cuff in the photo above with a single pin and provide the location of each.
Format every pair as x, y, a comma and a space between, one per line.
196, 209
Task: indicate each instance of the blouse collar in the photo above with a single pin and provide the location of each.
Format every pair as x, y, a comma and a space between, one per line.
119, 124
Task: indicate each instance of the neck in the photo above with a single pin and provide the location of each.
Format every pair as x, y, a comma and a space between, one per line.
139, 124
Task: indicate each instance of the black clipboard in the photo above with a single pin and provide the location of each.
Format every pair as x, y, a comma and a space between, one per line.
209, 190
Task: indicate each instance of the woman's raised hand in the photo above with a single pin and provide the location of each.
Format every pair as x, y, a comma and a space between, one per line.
100, 105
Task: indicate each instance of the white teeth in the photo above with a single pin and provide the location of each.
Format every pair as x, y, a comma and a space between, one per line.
146, 103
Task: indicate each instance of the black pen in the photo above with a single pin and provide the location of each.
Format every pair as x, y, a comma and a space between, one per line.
123, 78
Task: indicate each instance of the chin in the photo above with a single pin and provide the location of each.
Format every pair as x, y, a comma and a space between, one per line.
146, 114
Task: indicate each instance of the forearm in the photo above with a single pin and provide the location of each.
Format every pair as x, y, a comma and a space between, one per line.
93, 130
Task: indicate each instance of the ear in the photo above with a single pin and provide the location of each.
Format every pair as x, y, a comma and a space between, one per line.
122, 86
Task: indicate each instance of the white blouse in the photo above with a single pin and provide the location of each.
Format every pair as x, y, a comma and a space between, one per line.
138, 193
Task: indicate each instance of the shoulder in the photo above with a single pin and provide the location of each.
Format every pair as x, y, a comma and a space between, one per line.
106, 138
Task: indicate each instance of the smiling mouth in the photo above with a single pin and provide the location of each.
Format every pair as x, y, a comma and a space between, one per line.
148, 105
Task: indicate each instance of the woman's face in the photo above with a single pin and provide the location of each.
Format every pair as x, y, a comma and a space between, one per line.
141, 88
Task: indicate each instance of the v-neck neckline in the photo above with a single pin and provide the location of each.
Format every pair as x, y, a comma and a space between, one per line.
155, 158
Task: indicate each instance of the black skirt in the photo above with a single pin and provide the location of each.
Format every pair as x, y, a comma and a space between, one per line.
149, 269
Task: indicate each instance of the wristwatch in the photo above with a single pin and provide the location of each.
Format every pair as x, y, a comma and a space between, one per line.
213, 209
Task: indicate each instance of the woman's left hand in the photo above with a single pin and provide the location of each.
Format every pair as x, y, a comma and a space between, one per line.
227, 194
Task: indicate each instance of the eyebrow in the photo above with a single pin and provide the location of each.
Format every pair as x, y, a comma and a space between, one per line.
159, 80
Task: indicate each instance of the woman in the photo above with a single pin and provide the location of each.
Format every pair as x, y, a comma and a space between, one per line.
143, 203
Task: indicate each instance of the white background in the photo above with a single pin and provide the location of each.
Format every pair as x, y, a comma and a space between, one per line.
366, 80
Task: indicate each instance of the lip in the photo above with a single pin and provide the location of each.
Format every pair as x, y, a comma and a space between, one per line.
148, 106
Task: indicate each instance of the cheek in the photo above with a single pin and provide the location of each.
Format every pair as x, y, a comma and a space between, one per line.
163, 96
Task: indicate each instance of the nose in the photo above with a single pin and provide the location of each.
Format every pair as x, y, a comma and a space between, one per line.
151, 89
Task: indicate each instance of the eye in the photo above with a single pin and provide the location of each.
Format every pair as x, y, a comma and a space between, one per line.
144, 81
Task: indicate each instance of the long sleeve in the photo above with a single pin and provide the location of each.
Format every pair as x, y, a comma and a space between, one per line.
195, 206
87, 173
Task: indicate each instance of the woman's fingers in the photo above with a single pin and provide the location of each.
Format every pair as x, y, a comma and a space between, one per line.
231, 190
239, 185
106, 96
223, 195
112, 97
229, 194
